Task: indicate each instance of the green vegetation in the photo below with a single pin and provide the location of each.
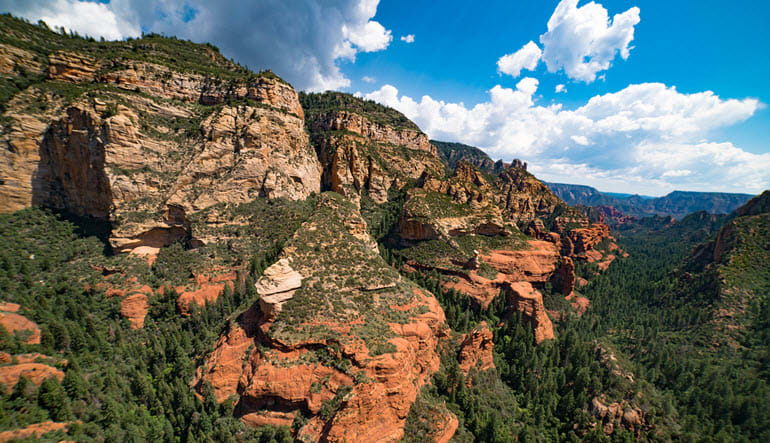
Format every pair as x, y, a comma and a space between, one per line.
121, 384
451, 153
316, 105
179, 55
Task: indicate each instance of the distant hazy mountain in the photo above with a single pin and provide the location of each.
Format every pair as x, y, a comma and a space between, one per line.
677, 204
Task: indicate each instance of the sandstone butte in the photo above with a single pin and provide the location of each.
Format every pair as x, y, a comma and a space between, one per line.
276, 365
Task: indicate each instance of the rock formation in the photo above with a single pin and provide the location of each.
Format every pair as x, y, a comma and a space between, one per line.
337, 335
366, 147
145, 163
17, 324
476, 349
278, 284
34, 372
529, 301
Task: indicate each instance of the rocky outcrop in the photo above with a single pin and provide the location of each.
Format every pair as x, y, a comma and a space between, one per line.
276, 286
267, 153
617, 415
476, 349
17, 324
564, 278
360, 152
161, 81
459, 206
134, 307
34, 372
584, 239
343, 120
350, 348
445, 428
69, 66
107, 166
525, 198
529, 302
143, 162
535, 264
204, 290
13, 60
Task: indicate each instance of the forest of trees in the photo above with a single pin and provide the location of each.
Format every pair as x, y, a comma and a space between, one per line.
133, 385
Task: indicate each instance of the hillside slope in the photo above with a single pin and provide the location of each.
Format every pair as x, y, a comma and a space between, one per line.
676, 204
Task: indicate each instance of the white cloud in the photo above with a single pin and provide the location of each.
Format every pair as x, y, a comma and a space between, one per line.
368, 79
525, 58
583, 40
408, 38
302, 41
368, 37
560, 88
582, 140
643, 138
87, 18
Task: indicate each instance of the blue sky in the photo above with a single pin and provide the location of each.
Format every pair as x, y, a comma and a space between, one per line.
655, 95
694, 45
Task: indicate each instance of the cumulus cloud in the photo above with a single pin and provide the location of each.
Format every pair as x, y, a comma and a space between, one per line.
525, 58
368, 79
583, 40
304, 41
87, 18
560, 88
408, 38
646, 137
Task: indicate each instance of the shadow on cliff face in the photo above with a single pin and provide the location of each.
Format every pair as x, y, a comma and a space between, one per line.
89, 227
70, 178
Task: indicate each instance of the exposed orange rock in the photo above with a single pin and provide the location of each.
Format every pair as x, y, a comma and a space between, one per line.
445, 427
529, 301
34, 357
33, 431
374, 411
476, 349
580, 303
9, 307
72, 67
134, 308
16, 323
303, 355
207, 290
34, 372
535, 264
618, 414
586, 238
